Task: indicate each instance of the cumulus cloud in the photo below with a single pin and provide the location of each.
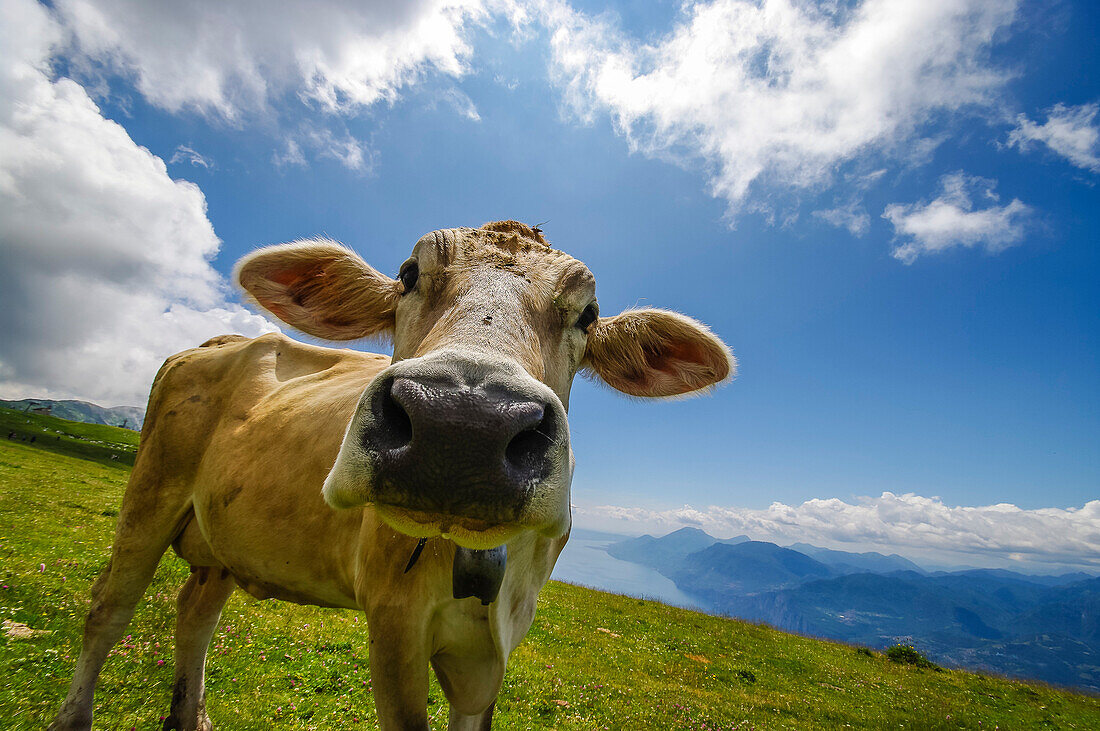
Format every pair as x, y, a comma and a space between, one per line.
230, 58
952, 219
780, 93
1071, 132
105, 257
907, 523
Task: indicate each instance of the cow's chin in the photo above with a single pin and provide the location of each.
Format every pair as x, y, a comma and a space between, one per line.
467, 532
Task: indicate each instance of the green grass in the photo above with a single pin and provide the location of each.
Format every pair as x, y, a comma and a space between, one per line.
88, 441
591, 661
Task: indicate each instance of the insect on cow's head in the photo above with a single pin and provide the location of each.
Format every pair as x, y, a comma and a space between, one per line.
465, 434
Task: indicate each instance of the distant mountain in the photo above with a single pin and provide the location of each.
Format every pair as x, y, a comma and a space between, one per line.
853, 563
587, 534
746, 568
131, 417
1042, 627
1073, 611
666, 554
968, 619
1059, 580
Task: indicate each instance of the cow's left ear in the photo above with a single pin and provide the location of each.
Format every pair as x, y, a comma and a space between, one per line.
656, 353
320, 288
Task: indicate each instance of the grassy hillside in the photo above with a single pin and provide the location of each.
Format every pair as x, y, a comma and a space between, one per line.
130, 417
592, 660
94, 442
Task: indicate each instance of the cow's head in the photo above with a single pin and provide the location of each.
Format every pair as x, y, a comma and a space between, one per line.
465, 434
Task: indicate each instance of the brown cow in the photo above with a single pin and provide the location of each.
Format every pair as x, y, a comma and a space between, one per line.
458, 445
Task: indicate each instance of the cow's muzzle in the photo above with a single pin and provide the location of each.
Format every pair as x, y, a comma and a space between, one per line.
457, 443
460, 448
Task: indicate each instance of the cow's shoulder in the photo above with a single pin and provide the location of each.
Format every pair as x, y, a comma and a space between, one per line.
237, 355
239, 374
224, 340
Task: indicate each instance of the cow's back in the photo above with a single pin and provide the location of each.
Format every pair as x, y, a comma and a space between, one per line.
248, 429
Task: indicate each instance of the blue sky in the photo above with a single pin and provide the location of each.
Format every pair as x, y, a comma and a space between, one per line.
887, 209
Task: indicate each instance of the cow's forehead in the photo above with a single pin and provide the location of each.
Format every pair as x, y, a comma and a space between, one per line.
502, 245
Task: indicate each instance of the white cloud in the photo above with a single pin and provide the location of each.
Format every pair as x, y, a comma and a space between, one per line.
906, 523
230, 58
183, 153
779, 93
1071, 132
851, 216
105, 258
290, 155
344, 148
462, 104
323, 142
952, 220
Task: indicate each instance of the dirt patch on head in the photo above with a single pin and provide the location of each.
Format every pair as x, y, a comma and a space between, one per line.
520, 229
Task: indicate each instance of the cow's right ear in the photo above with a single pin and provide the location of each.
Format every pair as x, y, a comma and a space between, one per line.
656, 353
320, 288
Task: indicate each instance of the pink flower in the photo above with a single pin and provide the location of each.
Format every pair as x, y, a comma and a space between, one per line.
160, 662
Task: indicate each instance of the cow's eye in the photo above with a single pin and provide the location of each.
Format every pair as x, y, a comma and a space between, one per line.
410, 272
588, 316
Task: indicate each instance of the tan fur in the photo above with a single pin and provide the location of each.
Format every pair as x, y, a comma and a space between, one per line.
240, 435
652, 352
515, 227
321, 288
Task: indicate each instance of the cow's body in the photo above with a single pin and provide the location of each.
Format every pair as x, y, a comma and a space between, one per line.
460, 438
261, 421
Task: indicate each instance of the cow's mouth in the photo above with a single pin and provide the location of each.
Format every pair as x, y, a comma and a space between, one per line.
469, 533
478, 570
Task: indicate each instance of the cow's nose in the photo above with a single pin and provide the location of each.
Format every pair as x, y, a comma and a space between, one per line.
491, 425
441, 444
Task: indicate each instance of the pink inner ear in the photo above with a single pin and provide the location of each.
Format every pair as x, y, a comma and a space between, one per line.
289, 275
673, 353
278, 311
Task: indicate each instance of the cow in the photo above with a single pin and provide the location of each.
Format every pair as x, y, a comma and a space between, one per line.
429, 490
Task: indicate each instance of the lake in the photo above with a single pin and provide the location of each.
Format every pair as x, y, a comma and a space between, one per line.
584, 561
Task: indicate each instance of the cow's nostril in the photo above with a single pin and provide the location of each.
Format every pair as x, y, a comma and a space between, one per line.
392, 427
526, 452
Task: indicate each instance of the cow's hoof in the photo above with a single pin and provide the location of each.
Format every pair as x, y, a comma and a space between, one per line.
70, 719
202, 723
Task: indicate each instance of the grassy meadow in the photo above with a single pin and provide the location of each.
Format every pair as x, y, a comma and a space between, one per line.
591, 661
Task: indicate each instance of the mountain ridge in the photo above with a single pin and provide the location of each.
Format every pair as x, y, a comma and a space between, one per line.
128, 417
1044, 627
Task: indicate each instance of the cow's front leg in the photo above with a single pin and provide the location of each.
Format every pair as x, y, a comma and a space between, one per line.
471, 681
459, 721
200, 605
399, 669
